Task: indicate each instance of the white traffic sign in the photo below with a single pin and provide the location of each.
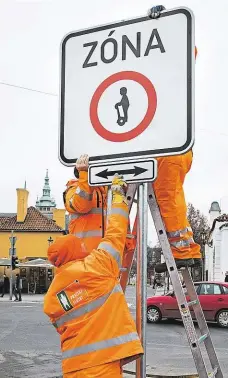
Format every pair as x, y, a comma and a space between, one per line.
127, 89
142, 170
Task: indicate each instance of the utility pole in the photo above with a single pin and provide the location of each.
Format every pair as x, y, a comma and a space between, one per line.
12, 253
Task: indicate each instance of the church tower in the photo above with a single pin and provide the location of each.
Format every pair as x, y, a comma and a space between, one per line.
46, 204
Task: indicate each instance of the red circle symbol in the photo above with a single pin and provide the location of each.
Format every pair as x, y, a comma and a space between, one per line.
152, 105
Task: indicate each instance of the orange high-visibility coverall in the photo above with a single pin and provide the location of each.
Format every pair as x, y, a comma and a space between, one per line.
169, 192
87, 306
87, 208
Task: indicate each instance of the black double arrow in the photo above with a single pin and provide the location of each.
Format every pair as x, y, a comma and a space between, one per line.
136, 171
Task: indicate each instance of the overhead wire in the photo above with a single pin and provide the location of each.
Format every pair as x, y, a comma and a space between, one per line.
55, 95
28, 89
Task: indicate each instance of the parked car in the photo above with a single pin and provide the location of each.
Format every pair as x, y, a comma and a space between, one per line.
213, 297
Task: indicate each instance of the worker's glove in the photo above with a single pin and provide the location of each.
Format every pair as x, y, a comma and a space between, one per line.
119, 189
155, 12
82, 164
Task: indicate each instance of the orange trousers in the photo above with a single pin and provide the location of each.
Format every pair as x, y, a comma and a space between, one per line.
111, 370
170, 196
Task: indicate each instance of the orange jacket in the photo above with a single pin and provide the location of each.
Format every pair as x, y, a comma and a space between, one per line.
87, 208
86, 303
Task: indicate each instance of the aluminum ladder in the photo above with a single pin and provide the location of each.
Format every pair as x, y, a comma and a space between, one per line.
184, 305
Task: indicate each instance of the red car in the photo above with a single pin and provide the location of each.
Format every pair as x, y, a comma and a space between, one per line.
213, 297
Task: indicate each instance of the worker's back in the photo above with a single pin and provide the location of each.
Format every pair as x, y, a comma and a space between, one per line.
85, 301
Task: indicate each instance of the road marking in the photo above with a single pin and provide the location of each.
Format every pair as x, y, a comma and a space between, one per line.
25, 303
20, 306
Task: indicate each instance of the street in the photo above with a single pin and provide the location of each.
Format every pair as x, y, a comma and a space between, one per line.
30, 345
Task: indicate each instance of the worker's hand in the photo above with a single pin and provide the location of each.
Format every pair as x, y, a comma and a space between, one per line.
119, 189
82, 164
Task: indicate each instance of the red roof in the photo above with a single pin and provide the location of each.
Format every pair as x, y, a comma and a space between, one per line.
34, 221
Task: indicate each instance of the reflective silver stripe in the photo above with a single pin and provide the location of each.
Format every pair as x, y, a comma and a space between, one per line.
87, 234
95, 210
74, 216
181, 243
118, 211
112, 251
71, 206
100, 345
86, 308
177, 234
83, 194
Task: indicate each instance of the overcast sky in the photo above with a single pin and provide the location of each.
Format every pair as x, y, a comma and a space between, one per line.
30, 35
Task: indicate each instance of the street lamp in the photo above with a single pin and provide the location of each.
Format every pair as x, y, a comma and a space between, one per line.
203, 238
50, 241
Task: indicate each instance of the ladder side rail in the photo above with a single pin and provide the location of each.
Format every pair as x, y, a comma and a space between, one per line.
128, 260
203, 327
129, 257
132, 188
109, 204
177, 286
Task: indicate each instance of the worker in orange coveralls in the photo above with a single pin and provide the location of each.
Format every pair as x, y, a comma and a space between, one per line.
87, 207
86, 303
169, 193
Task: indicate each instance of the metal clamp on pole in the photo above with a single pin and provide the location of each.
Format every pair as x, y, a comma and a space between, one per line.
155, 12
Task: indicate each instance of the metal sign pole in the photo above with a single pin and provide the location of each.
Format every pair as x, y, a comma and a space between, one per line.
11, 263
141, 286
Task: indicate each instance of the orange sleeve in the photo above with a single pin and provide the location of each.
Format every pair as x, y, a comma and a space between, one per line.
78, 199
113, 243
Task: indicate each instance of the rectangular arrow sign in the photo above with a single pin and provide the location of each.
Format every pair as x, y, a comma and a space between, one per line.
133, 171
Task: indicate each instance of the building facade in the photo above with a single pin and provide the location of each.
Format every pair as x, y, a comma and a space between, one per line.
216, 251
33, 231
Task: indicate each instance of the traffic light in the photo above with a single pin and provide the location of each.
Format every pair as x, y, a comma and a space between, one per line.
15, 262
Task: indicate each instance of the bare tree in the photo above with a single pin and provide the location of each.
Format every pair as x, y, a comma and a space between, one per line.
200, 228
198, 222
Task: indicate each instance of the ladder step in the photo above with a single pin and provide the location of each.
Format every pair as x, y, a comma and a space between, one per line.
123, 269
214, 372
202, 338
192, 303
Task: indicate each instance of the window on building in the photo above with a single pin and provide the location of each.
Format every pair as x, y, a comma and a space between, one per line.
225, 288
48, 208
210, 289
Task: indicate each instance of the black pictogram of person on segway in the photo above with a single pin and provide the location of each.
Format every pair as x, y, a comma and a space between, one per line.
122, 107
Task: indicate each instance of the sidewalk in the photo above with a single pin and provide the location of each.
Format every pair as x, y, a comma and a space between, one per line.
28, 298
160, 372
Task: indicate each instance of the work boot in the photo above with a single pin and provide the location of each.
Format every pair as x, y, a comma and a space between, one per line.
180, 263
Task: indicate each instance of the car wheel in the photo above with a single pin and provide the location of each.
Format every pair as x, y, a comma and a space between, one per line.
222, 318
153, 314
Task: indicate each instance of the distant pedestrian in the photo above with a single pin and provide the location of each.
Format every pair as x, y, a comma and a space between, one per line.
155, 283
4, 284
17, 288
226, 277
